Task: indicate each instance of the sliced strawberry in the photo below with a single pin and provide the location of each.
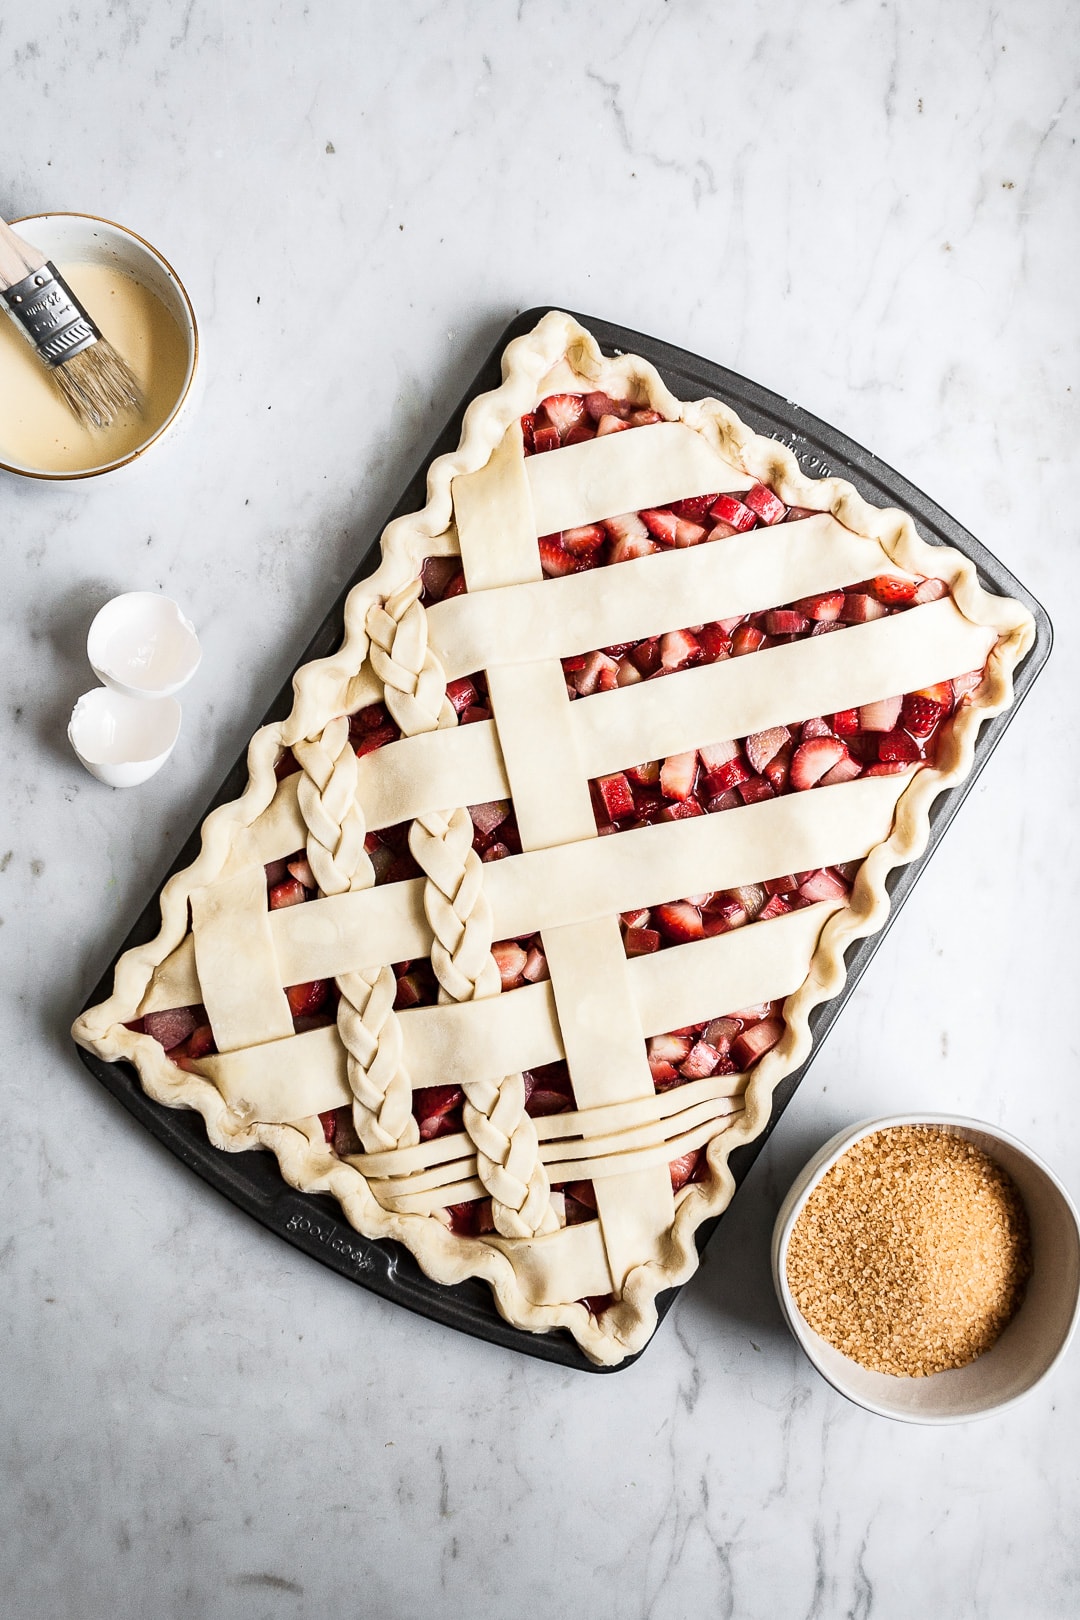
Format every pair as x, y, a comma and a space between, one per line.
288, 893
920, 715
629, 547
943, 693
892, 591
762, 746
583, 541
662, 524
812, 759
626, 526
693, 508
684, 1167
731, 509
754, 1042
171, 1027
880, 716
860, 609
677, 775
897, 745
545, 438
641, 941
616, 794
824, 608
678, 921
462, 693
563, 411
746, 639
764, 504
554, 560
930, 590
678, 648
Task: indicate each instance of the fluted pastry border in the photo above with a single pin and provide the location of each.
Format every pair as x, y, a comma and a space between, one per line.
558, 355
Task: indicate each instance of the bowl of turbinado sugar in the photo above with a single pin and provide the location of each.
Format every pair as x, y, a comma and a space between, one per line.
929, 1267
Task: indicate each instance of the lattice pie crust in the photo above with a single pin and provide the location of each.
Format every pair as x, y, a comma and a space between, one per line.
219, 944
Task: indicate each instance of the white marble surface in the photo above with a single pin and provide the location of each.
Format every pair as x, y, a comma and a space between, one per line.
868, 207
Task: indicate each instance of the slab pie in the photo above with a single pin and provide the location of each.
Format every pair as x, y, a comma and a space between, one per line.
524, 910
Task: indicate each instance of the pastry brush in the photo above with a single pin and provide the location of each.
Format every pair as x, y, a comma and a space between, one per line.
96, 383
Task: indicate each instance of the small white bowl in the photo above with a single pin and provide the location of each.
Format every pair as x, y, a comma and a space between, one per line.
141, 644
69, 239
1035, 1339
123, 740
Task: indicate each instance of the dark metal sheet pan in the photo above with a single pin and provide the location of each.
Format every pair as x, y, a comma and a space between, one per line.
315, 1224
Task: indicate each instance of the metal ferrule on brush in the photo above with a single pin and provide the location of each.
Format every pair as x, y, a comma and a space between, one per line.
50, 315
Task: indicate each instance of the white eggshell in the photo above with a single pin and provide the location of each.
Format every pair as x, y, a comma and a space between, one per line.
123, 740
141, 644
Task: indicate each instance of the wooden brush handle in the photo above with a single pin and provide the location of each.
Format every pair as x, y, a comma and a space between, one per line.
17, 258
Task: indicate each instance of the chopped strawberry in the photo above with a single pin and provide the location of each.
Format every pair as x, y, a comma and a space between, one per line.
730, 509
681, 810
664, 1074
581, 434
815, 727
845, 722
436, 575
486, 817
930, 590
713, 755
678, 648
762, 746
892, 591
775, 906
919, 714
563, 411
288, 893
764, 504
943, 693
746, 639
171, 1027
498, 851
300, 869
629, 674
201, 1042
456, 586
677, 775
880, 716
683, 1168
778, 769
694, 507
610, 424
678, 921
432, 1107
616, 794
472, 715
554, 560
688, 534
646, 655
536, 968
369, 741
641, 941
897, 745
963, 684
583, 541
860, 609
722, 531
825, 608
644, 417
661, 523
670, 1048
599, 673
887, 767
714, 643
462, 693
409, 992
812, 759
756, 1041
723, 919
306, 999
756, 789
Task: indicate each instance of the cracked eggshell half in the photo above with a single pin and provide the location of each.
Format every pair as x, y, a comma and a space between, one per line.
123, 740
140, 644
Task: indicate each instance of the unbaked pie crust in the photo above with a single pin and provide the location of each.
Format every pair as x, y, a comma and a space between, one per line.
221, 946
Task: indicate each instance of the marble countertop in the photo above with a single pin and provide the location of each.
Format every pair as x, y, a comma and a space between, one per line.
864, 207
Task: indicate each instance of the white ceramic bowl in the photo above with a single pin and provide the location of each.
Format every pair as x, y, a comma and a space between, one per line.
142, 645
85, 239
1035, 1339
123, 740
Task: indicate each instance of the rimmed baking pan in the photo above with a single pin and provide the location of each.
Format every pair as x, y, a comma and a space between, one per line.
315, 1223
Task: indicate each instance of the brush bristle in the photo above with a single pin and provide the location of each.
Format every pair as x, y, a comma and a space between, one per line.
98, 385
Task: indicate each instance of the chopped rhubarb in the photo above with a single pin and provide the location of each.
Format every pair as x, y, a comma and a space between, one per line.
731, 509
764, 504
171, 1027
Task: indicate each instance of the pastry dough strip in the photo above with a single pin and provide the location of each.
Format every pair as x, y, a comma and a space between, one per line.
302, 1075
691, 707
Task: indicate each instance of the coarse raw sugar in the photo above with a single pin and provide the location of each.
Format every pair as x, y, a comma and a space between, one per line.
912, 1253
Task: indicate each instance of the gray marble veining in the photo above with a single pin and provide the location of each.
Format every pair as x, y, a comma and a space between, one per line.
868, 207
